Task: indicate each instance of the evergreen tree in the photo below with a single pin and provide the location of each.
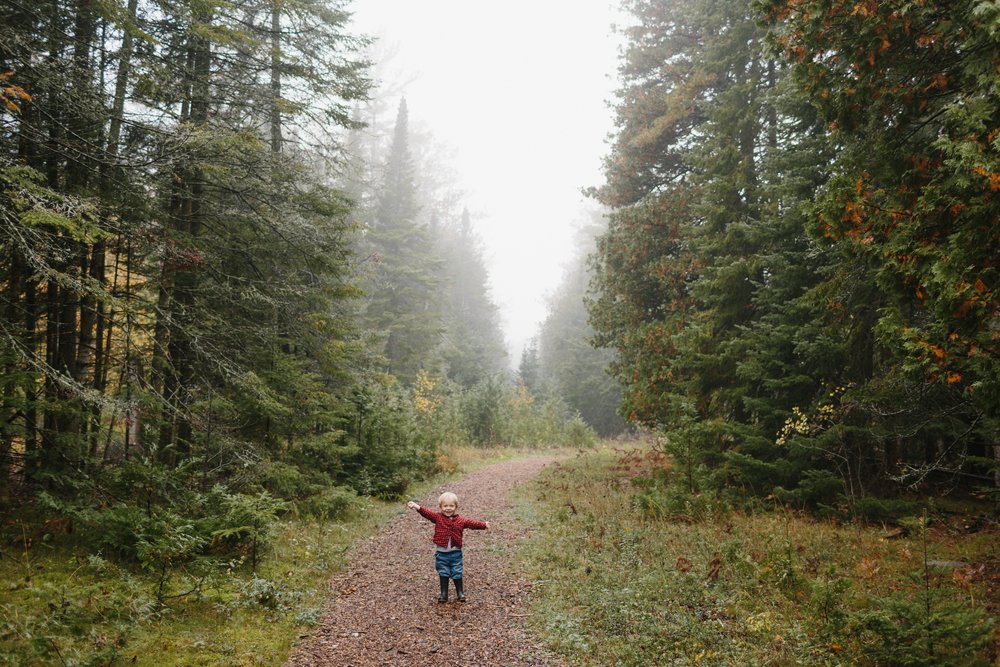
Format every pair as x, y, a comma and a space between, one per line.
403, 298
674, 273
529, 370
473, 343
706, 283
573, 369
907, 95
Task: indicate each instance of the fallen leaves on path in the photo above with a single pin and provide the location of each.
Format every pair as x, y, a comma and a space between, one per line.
385, 610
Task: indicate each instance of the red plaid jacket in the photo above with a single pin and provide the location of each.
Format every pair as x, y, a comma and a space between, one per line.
449, 526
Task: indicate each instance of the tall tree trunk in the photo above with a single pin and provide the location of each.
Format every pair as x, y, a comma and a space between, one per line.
79, 179
31, 443
109, 170
50, 159
176, 429
132, 373
164, 381
50, 414
11, 364
68, 423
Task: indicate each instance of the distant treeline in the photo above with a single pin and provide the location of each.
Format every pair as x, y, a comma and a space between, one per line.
801, 269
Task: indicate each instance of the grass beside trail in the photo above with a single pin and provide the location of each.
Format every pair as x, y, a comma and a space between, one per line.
631, 572
60, 605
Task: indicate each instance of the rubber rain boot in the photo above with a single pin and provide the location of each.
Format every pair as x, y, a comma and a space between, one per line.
459, 595
444, 589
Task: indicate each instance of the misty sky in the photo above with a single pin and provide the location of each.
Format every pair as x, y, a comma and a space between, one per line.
518, 91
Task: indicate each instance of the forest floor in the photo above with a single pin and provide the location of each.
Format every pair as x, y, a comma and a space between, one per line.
384, 608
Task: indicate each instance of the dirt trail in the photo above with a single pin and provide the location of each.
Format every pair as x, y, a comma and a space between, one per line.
385, 611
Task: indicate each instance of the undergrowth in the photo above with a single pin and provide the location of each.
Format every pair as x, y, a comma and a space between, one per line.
632, 569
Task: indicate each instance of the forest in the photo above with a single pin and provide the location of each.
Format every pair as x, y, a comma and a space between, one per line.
238, 289
800, 270
218, 276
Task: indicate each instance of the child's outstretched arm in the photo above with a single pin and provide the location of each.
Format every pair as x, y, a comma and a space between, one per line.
430, 515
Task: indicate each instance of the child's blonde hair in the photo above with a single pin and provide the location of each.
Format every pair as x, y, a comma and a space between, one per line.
447, 496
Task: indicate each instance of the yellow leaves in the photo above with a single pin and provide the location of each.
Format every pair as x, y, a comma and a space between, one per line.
522, 399
824, 416
424, 400
797, 424
12, 95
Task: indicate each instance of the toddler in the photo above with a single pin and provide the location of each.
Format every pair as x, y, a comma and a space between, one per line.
448, 527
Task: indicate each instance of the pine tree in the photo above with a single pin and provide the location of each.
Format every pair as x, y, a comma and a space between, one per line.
529, 370
574, 370
403, 303
473, 344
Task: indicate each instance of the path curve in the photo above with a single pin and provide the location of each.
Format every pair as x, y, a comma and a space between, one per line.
384, 609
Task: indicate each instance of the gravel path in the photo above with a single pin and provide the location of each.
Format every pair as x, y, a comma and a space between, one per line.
385, 610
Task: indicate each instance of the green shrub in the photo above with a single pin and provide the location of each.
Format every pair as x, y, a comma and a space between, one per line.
814, 488
389, 450
330, 503
166, 542
285, 480
250, 521
485, 412
579, 434
920, 626
884, 509
660, 496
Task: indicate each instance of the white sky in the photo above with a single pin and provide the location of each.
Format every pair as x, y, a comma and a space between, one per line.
519, 91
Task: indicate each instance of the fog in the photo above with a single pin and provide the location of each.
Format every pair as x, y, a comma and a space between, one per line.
519, 92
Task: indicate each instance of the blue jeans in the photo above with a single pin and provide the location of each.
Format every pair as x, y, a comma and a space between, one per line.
449, 563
